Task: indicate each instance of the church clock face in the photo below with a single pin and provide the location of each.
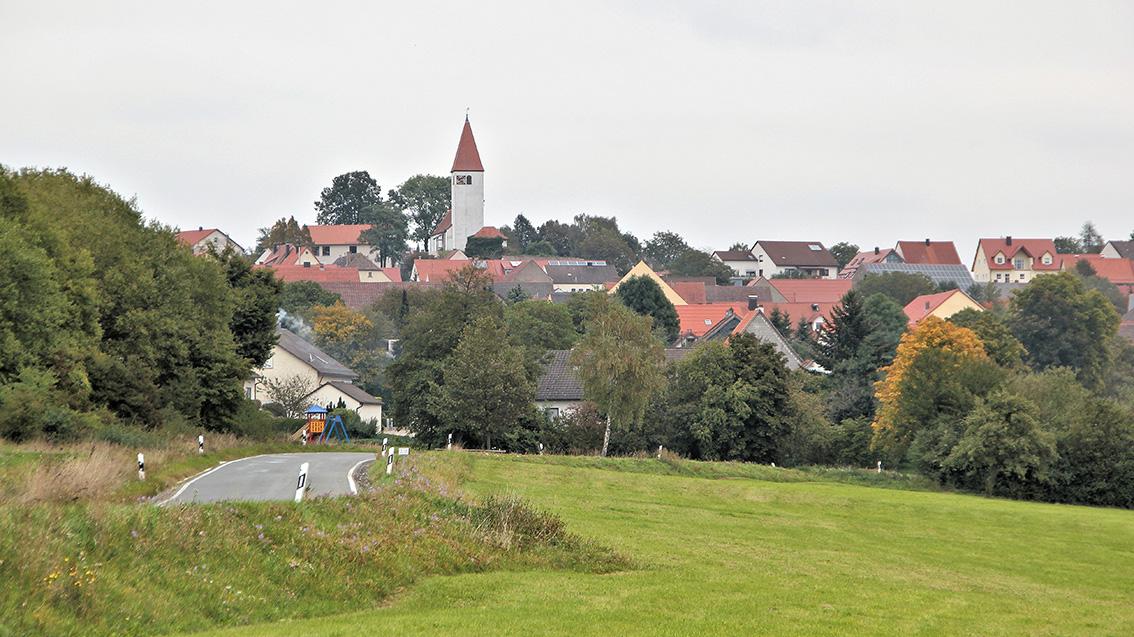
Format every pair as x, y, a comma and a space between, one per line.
463, 180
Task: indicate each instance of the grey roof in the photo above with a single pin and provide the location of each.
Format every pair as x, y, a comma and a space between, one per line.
560, 380
356, 260
1125, 249
319, 360
762, 328
799, 253
354, 391
734, 255
938, 273
582, 274
540, 291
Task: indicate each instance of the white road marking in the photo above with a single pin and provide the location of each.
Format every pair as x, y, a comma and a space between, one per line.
202, 475
350, 475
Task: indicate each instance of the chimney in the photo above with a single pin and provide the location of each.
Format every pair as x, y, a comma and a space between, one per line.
1008, 240
875, 249
814, 307
927, 306
927, 242
200, 228
753, 301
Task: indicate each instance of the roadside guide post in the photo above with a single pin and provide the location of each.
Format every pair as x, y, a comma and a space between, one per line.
390, 462
201, 443
384, 446
541, 448
301, 485
879, 466
450, 445
141, 467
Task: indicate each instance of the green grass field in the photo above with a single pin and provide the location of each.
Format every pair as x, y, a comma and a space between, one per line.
717, 553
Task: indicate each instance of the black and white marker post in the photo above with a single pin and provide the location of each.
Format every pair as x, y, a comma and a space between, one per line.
390, 462
301, 485
201, 444
141, 467
384, 447
450, 445
541, 448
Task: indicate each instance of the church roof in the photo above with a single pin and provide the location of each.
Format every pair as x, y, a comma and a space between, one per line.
468, 158
489, 232
443, 225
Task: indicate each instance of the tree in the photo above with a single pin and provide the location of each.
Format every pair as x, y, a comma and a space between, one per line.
563, 237
1062, 323
844, 334
993, 331
663, 249
739, 247
523, 234
902, 287
697, 263
348, 199
1002, 446
934, 373
730, 403
1090, 239
425, 199
281, 232
781, 321
1068, 245
486, 391
355, 339
584, 306
619, 363
538, 326
290, 393
484, 247
516, 294
643, 295
257, 294
600, 238
540, 248
387, 233
859, 340
298, 297
843, 253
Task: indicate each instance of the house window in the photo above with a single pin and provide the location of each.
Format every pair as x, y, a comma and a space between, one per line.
326, 251
1021, 276
551, 412
999, 259
354, 249
268, 363
1018, 263
1047, 259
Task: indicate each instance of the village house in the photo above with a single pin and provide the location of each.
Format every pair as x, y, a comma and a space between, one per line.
1013, 260
334, 242
742, 262
201, 240
560, 391
286, 254
1117, 270
328, 379
1118, 250
788, 258
942, 305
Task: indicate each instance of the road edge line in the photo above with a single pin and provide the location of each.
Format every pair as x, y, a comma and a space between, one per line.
350, 475
205, 473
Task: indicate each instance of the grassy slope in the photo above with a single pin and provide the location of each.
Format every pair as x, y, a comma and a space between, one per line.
741, 556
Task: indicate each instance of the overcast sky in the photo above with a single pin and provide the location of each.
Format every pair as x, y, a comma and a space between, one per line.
724, 121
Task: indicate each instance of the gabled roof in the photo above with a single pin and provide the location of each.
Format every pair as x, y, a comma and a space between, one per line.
468, 157
442, 270
1125, 249
798, 254
697, 319
283, 254
796, 311
355, 260
560, 379
1034, 248
489, 232
354, 391
582, 274
527, 272
734, 255
319, 360
958, 275
641, 269
812, 290
1117, 271
929, 252
924, 305
691, 291
358, 296
443, 225
755, 322
338, 235
330, 273
193, 237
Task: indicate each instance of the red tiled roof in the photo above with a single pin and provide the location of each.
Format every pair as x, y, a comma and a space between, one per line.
316, 273
693, 292
283, 254
697, 319
931, 252
920, 307
468, 158
489, 232
344, 235
1117, 271
358, 295
1034, 248
193, 237
812, 290
441, 270
795, 311
443, 225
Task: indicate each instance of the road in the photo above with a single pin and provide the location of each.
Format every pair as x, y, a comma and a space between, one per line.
272, 477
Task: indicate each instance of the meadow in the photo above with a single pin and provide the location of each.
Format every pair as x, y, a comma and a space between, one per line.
740, 550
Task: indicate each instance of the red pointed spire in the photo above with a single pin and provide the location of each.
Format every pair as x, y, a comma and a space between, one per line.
468, 159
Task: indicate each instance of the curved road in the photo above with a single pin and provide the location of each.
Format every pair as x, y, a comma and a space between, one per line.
272, 477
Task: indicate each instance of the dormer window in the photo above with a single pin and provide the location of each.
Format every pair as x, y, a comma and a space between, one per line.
999, 259
1046, 259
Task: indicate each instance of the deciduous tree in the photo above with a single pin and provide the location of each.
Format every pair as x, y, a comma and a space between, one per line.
843, 253
425, 199
348, 198
643, 295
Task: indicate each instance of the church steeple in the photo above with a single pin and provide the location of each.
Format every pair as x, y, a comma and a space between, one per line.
467, 159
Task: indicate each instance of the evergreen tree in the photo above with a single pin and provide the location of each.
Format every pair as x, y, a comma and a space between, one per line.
643, 295
523, 234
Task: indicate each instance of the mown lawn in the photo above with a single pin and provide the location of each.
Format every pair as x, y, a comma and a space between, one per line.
739, 556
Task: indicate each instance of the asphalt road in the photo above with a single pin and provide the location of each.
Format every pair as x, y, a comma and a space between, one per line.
272, 477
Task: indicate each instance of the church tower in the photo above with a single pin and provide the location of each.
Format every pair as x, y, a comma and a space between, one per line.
467, 190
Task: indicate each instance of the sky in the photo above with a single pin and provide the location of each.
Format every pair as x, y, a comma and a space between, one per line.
725, 122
